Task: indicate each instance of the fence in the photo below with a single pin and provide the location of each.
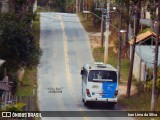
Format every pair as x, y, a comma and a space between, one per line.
29, 102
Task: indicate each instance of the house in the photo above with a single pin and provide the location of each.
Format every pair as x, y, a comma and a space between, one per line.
144, 54
146, 18
5, 88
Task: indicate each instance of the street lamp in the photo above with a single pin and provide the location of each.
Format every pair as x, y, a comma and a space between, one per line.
119, 42
119, 51
89, 12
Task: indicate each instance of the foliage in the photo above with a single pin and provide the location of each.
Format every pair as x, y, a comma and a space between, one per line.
14, 107
28, 83
56, 4
42, 2
17, 45
53, 5
144, 30
149, 86
69, 5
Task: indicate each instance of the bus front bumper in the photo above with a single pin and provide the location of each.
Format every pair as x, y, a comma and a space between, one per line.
102, 100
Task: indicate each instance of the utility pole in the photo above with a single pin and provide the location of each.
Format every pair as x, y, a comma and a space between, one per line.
102, 30
119, 45
83, 5
102, 24
155, 61
132, 55
77, 6
107, 34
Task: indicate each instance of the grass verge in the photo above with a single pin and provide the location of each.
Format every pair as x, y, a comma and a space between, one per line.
87, 22
29, 81
138, 102
98, 54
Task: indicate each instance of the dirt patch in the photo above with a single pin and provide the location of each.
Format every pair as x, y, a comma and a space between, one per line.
123, 89
95, 39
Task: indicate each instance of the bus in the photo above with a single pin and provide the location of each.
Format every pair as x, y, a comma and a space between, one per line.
99, 83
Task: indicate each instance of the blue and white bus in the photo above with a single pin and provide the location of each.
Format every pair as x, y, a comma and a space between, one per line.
99, 83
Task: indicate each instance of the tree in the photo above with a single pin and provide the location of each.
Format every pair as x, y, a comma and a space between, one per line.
127, 22
15, 107
149, 87
155, 61
17, 45
132, 54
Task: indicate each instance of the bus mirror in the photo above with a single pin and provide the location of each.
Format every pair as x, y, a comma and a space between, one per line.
82, 72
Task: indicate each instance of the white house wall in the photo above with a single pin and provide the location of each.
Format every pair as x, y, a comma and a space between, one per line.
136, 67
144, 57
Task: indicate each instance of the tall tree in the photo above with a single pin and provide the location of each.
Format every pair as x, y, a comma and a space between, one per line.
155, 61
17, 45
127, 23
139, 15
133, 52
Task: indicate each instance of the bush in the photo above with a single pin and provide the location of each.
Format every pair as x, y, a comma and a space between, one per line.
149, 87
17, 44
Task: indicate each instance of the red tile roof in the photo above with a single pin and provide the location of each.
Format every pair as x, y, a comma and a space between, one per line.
142, 36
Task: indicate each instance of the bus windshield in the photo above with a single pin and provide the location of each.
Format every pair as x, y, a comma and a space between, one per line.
102, 75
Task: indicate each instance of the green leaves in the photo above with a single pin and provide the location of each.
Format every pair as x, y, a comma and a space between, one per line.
149, 85
15, 107
17, 44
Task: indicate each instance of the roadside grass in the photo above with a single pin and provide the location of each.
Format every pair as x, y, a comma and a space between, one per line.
87, 22
42, 9
30, 76
36, 29
138, 102
36, 32
98, 54
29, 81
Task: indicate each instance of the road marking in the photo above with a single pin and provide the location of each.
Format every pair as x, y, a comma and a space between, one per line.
69, 81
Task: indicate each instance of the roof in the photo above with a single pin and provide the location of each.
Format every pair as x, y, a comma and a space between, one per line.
142, 36
97, 66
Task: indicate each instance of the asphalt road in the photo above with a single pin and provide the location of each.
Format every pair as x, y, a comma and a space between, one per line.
65, 46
